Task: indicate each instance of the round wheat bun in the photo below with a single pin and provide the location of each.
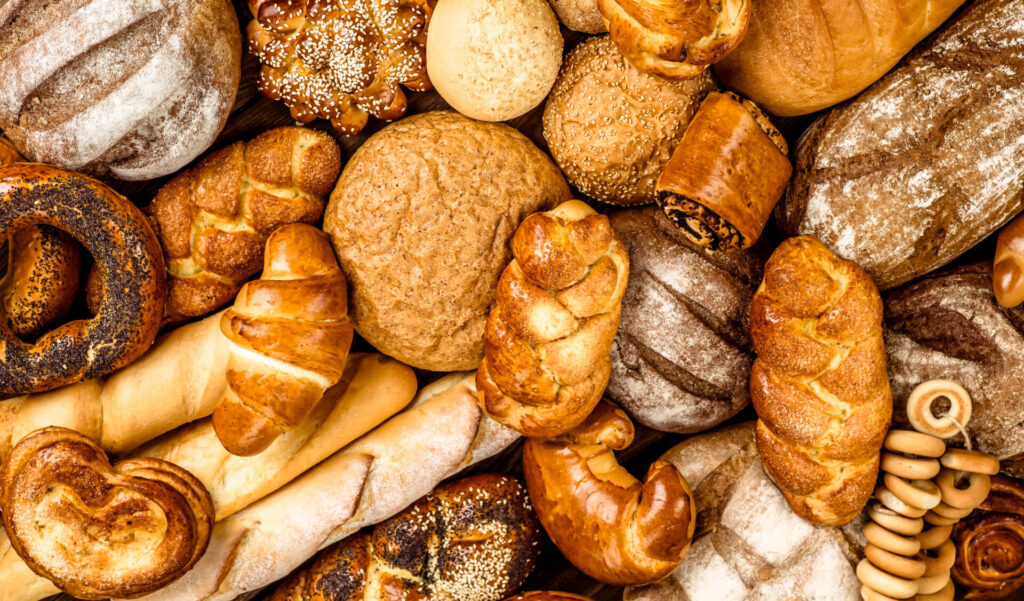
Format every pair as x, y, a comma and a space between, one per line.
421, 221
612, 128
493, 61
579, 15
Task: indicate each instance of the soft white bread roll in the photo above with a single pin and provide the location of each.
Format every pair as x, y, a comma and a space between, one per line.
177, 381
365, 483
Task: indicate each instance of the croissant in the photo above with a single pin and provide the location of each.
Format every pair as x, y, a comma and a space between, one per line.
290, 336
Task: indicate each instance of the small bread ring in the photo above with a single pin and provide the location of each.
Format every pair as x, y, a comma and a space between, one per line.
890, 520
887, 584
872, 595
910, 442
890, 541
897, 565
911, 468
962, 498
916, 493
956, 513
946, 594
929, 585
894, 503
941, 560
970, 461
933, 538
124, 246
937, 520
919, 408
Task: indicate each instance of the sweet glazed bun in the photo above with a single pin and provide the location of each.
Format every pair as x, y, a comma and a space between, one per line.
612, 128
421, 221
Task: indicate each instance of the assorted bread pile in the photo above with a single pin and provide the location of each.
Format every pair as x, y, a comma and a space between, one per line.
272, 377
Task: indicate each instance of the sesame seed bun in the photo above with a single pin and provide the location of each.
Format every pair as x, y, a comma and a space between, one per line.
612, 128
493, 61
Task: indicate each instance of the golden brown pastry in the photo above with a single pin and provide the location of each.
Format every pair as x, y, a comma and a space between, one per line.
290, 337
213, 219
675, 39
125, 251
475, 538
990, 546
548, 596
341, 61
548, 338
819, 382
98, 530
1008, 270
606, 522
726, 175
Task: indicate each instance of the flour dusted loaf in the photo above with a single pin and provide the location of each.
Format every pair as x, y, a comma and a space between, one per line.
925, 163
949, 326
682, 357
136, 88
421, 221
749, 546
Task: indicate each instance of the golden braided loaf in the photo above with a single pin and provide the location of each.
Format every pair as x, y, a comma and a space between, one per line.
819, 383
290, 336
341, 61
548, 338
675, 39
212, 220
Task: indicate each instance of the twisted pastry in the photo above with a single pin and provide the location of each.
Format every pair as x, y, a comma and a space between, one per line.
675, 39
290, 336
819, 383
98, 530
548, 339
990, 548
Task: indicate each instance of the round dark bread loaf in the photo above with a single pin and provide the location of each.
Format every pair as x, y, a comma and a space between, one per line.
949, 326
682, 357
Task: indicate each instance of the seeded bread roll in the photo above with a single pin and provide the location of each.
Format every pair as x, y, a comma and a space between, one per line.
682, 357
612, 128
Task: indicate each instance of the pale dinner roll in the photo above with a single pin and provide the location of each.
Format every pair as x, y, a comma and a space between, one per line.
612, 128
493, 61
421, 221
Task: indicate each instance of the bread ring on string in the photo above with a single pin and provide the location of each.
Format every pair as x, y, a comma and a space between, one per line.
910, 468
970, 461
916, 493
890, 520
934, 537
946, 594
890, 541
897, 565
887, 498
929, 585
921, 416
948, 511
962, 498
869, 595
940, 559
915, 443
885, 583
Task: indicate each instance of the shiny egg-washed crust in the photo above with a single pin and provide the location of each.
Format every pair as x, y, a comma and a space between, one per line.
819, 382
214, 219
290, 336
125, 251
548, 340
98, 530
548, 596
990, 546
341, 61
475, 539
1008, 266
606, 522
675, 39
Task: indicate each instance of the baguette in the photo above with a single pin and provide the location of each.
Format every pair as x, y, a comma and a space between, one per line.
363, 484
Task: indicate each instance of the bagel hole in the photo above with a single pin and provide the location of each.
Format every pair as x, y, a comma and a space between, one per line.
940, 406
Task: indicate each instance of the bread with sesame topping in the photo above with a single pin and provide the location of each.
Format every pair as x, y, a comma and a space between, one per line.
474, 539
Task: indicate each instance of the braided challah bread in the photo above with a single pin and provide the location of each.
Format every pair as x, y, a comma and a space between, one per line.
341, 61
675, 39
819, 382
549, 337
473, 539
290, 337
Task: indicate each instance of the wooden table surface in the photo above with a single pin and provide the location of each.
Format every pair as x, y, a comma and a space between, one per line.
253, 114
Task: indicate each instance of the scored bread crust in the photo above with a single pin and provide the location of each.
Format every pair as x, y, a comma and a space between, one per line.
819, 382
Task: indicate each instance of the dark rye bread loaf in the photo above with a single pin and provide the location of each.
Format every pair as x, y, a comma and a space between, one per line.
925, 163
949, 326
682, 357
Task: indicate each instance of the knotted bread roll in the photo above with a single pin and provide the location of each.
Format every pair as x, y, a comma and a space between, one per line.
548, 339
819, 382
290, 336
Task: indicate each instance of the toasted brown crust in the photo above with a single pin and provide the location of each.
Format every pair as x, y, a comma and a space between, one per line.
819, 383
41, 280
125, 250
98, 531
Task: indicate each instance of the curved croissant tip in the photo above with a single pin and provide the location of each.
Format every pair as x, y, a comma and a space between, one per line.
296, 251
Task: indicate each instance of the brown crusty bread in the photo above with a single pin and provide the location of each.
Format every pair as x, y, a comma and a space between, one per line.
819, 381
903, 186
800, 56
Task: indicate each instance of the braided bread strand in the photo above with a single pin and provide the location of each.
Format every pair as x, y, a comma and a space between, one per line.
548, 340
819, 383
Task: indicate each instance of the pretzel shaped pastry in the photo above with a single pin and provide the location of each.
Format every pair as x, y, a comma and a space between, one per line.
98, 530
548, 340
